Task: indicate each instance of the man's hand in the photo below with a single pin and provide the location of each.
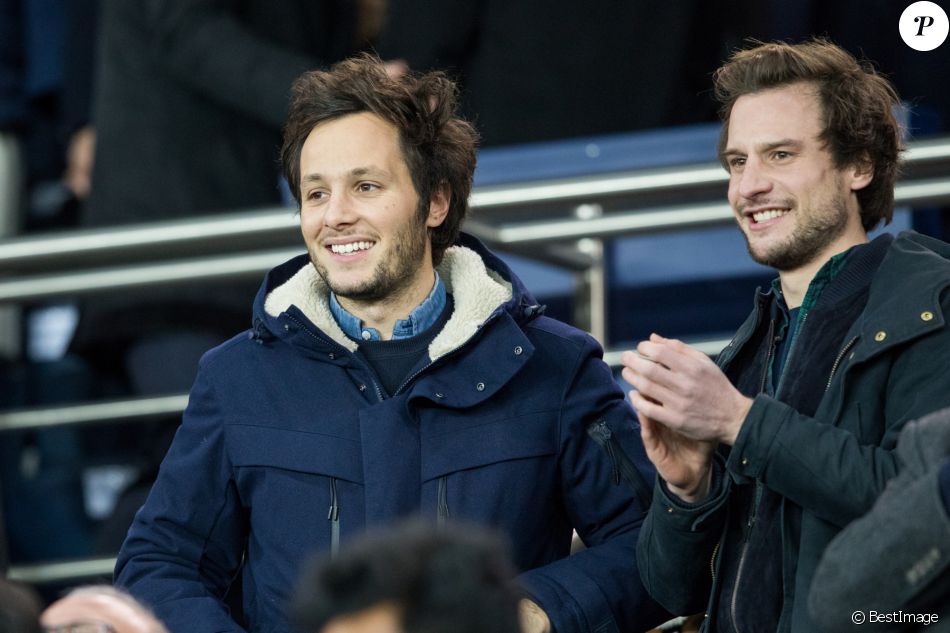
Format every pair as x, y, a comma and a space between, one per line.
683, 463
533, 618
682, 389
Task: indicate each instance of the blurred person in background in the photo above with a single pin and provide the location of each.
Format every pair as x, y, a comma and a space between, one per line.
534, 70
189, 99
99, 609
414, 578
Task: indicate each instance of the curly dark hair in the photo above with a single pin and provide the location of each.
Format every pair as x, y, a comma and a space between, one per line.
459, 579
858, 104
437, 145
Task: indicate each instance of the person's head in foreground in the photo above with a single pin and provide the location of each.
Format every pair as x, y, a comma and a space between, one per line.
412, 579
99, 609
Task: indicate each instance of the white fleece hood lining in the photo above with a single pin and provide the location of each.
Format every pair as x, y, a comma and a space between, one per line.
476, 292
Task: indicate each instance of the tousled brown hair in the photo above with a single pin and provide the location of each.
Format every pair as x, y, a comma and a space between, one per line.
437, 145
857, 109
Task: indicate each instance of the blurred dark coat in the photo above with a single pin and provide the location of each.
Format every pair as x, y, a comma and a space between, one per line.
535, 69
190, 99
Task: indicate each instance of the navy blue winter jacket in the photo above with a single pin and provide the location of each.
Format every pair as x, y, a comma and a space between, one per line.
288, 445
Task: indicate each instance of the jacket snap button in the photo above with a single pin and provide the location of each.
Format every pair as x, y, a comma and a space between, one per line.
518, 350
439, 395
286, 328
362, 387
927, 315
331, 355
745, 461
480, 386
669, 509
880, 336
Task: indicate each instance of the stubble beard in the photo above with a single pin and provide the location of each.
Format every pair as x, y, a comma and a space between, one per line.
390, 277
816, 230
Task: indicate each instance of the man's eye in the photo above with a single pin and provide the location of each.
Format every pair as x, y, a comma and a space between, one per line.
736, 162
780, 155
316, 195
367, 186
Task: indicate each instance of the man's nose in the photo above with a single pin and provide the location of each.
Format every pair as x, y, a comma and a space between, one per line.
339, 210
753, 180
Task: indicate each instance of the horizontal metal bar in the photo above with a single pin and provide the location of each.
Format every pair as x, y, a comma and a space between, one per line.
591, 188
615, 224
146, 239
710, 347
62, 571
927, 151
137, 409
920, 192
669, 218
31, 287
95, 412
142, 241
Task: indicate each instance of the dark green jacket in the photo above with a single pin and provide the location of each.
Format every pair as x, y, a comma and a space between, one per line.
889, 367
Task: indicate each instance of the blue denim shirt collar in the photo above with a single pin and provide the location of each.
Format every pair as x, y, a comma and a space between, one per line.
418, 321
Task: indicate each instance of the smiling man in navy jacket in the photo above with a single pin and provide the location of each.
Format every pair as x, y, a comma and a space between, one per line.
399, 368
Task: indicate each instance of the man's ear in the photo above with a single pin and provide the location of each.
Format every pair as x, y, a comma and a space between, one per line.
861, 174
438, 207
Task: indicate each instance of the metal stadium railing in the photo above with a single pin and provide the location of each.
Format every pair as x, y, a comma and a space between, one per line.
562, 221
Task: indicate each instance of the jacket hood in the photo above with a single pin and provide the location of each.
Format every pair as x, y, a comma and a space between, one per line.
480, 283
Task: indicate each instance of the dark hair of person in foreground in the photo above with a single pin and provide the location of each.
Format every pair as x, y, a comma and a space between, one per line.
456, 579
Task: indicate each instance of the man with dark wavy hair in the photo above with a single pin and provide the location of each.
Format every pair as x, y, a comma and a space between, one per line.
398, 368
763, 457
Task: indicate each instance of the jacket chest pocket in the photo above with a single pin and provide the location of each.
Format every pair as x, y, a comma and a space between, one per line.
450, 450
482, 471
298, 451
298, 486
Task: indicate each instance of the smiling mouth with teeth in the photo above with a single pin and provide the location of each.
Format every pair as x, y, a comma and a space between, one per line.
771, 214
352, 247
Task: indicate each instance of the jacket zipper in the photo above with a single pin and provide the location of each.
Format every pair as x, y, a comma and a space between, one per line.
745, 547
758, 485
443, 501
768, 357
788, 357
621, 467
834, 368
712, 562
334, 518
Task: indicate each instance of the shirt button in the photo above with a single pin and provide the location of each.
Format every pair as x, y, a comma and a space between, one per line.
880, 336
518, 350
480, 386
927, 316
366, 335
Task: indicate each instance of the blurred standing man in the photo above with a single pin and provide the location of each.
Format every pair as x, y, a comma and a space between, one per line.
763, 459
397, 369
